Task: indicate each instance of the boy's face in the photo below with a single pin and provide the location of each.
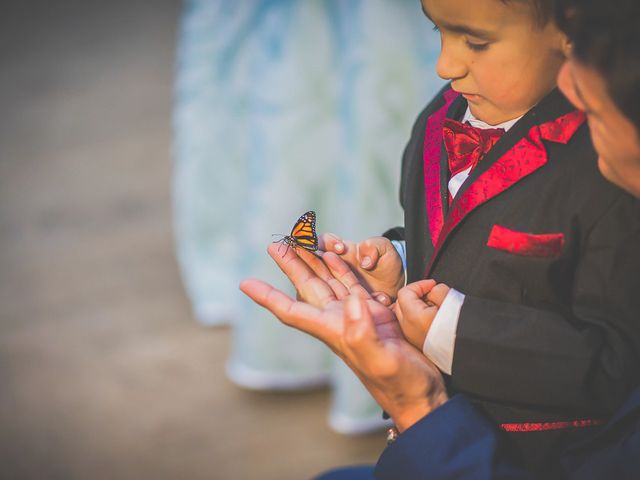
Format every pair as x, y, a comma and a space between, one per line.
496, 55
614, 136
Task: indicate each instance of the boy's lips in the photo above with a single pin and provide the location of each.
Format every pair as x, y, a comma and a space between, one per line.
471, 97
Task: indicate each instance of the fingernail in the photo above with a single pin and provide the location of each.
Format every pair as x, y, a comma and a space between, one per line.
339, 247
353, 308
366, 262
381, 298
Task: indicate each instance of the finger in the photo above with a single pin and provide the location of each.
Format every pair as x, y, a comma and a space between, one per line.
368, 254
359, 329
330, 242
318, 266
438, 294
281, 253
304, 279
290, 264
411, 300
299, 315
364, 347
341, 271
416, 290
382, 297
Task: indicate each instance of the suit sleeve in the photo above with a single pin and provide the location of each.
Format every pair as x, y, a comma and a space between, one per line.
613, 451
452, 442
396, 233
587, 358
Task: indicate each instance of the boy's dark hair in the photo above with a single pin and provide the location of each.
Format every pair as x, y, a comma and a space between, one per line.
606, 36
543, 10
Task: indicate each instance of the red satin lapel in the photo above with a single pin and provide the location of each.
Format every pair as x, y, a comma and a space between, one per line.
562, 129
524, 158
431, 164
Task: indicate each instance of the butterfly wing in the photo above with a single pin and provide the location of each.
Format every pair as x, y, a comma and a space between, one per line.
303, 233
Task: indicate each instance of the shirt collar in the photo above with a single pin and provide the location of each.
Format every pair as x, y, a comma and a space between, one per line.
468, 117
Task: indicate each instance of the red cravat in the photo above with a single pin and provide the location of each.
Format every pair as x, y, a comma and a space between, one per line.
466, 145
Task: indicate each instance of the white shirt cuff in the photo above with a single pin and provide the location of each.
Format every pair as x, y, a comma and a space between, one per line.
441, 339
401, 248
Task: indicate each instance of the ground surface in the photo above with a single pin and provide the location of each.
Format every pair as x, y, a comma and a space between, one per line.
103, 374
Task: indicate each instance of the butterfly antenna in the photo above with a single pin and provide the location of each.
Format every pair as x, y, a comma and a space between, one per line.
278, 235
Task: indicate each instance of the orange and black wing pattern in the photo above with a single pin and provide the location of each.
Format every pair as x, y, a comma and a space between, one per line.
303, 233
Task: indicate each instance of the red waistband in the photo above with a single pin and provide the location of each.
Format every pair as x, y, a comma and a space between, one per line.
541, 427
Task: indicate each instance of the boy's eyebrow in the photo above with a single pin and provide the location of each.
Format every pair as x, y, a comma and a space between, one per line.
474, 32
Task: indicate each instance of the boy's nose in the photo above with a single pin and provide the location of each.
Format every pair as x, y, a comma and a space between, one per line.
450, 66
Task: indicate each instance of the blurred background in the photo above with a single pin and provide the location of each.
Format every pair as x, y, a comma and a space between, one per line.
109, 367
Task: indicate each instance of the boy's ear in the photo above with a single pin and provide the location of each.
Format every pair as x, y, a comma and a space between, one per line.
559, 41
567, 46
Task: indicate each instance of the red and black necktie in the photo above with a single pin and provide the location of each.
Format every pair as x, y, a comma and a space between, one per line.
467, 145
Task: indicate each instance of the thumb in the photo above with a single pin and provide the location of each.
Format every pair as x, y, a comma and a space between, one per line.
412, 303
368, 255
438, 294
422, 287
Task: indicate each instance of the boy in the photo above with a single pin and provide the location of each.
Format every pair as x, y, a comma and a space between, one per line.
540, 328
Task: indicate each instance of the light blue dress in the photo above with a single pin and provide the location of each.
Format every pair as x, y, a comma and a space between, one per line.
283, 107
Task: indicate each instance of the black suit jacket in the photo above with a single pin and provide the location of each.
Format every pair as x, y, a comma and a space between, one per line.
547, 253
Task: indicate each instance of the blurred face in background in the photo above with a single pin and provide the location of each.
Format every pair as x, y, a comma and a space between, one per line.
614, 136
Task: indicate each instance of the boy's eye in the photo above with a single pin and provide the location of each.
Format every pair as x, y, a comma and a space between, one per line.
477, 47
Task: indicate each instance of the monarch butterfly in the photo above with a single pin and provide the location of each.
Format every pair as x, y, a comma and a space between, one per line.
303, 233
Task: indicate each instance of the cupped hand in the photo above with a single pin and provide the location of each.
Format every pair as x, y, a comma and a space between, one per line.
321, 285
366, 335
416, 308
375, 261
363, 332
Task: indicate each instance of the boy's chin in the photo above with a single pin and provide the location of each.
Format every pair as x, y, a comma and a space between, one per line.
489, 115
480, 112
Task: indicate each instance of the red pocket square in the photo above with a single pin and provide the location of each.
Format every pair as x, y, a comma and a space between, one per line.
528, 244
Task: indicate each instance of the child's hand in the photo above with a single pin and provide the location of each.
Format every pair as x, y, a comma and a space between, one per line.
417, 306
375, 261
